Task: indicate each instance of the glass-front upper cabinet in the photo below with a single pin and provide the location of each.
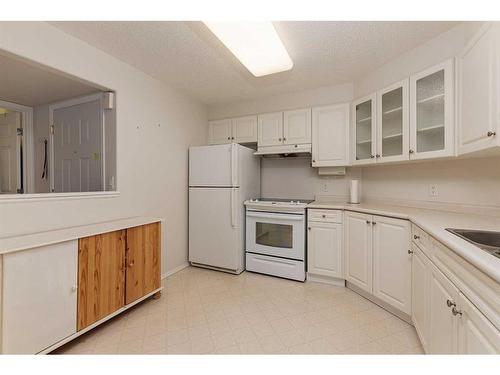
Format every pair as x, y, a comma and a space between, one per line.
364, 123
431, 112
393, 123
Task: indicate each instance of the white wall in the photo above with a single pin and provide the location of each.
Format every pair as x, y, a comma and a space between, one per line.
155, 126
295, 179
296, 100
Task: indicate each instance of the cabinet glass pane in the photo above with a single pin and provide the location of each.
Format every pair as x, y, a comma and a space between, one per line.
392, 122
430, 112
274, 235
364, 130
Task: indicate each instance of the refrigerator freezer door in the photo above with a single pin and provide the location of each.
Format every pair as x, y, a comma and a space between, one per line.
213, 166
213, 228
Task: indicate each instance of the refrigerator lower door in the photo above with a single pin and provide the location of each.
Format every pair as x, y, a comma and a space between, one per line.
213, 166
214, 228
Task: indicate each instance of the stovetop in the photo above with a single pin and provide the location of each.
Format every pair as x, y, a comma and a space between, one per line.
278, 205
281, 200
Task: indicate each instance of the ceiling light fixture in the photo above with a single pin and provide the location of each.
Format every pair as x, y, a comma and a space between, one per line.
255, 44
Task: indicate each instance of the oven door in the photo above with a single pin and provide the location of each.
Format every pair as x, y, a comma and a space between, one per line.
275, 234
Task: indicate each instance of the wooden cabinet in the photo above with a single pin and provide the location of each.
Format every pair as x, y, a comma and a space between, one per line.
364, 130
358, 249
219, 132
39, 297
393, 123
101, 276
270, 129
432, 126
143, 261
442, 323
420, 294
478, 85
297, 126
392, 262
330, 136
324, 244
476, 334
244, 129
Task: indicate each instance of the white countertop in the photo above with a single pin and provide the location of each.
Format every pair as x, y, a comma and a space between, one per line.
31, 240
435, 222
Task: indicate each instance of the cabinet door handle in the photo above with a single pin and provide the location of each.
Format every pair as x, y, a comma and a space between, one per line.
455, 312
284, 139
411, 151
232, 137
314, 161
377, 156
368, 222
450, 303
131, 264
372, 156
308, 228
415, 237
323, 216
410, 251
374, 222
74, 288
491, 134
228, 138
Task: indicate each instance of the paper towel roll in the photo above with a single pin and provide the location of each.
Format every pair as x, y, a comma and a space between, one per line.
354, 191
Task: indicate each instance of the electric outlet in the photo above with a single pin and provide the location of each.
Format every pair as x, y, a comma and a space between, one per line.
433, 191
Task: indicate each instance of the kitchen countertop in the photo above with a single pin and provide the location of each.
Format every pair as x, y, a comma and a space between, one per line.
32, 240
435, 222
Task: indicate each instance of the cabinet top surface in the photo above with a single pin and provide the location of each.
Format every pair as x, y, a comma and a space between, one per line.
434, 222
31, 240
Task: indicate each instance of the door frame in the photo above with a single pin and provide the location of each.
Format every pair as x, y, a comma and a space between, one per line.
28, 145
70, 103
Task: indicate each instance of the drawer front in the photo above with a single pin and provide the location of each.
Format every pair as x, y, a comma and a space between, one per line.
325, 216
422, 240
287, 268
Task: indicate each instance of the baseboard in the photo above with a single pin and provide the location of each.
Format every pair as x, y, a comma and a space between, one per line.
175, 270
326, 280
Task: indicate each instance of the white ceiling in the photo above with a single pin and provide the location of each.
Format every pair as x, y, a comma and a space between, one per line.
187, 56
31, 84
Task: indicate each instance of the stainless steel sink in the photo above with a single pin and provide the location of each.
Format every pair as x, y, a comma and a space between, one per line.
488, 241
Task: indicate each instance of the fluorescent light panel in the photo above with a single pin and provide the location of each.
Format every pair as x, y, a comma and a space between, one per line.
255, 44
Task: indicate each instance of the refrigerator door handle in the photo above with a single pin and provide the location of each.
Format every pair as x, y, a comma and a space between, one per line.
234, 165
233, 208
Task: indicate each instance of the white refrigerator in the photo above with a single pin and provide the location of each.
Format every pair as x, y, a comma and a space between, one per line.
221, 178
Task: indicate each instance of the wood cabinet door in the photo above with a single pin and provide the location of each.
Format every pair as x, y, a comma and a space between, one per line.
297, 126
358, 250
219, 132
330, 136
392, 262
442, 323
324, 249
143, 261
270, 129
101, 276
476, 334
420, 294
478, 91
244, 129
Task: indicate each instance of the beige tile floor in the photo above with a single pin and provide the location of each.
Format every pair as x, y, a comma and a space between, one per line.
203, 311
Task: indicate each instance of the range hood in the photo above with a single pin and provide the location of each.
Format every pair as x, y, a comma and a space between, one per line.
284, 149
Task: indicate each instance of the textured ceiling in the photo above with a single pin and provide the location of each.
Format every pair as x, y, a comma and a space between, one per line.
31, 84
187, 56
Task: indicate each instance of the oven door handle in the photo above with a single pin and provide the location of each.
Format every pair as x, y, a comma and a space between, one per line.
266, 215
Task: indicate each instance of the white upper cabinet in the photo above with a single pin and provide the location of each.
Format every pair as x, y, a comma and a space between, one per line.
432, 128
364, 130
476, 334
478, 86
393, 123
219, 132
297, 126
358, 249
392, 262
330, 136
270, 129
244, 129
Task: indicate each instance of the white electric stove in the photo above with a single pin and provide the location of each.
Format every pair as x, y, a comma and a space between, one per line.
275, 237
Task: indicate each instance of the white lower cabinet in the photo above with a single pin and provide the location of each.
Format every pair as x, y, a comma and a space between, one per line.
476, 334
358, 249
324, 249
392, 262
39, 297
420, 274
443, 296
